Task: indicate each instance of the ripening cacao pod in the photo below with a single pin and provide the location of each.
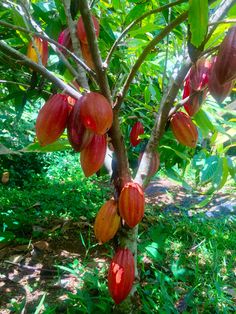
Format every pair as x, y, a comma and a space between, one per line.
5, 177
52, 119
42, 47
87, 55
136, 130
92, 157
131, 203
96, 112
121, 275
225, 65
184, 130
199, 74
78, 136
155, 163
193, 105
107, 222
81, 33
217, 90
64, 39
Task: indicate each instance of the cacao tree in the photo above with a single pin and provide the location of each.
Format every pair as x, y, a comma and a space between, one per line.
125, 80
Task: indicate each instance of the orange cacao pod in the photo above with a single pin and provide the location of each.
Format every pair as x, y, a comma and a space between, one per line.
96, 112
121, 275
184, 130
136, 130
225, 65
78, 136
52, 119
81, 33
107, 222
155, 163
87, 55
92, 157
42, 46
131, 203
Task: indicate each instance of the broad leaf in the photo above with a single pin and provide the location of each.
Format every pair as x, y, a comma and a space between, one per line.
198, 20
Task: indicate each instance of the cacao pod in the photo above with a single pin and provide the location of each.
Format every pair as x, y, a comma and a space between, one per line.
42, 47
121, 275
92, 157
78, 136
96, 112
5, 177
217, 90
225, 65
155, 163
64, 39
183, 129
131, 203
87, 55
107, 222
136, 130
81, 33
199, 74
193, 105
52, 119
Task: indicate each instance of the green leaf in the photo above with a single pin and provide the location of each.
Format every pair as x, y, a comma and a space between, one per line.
204, 122
198, 20
209, 169
60, 144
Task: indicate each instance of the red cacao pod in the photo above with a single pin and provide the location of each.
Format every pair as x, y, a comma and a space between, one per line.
87, 55
155, 163
193, 105
64, 39
199, 74
136, 130
92, 157
184, 130
225, 65
42, 47
131, 203
81, 33
96, 112
217, 90
107, 222
52, 119
121, 275
78, 136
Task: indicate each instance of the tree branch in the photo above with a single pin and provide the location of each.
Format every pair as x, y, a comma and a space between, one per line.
144, 54
127, 29
21, 58
81, 74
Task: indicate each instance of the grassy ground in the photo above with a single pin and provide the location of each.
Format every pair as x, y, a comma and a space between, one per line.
187, 265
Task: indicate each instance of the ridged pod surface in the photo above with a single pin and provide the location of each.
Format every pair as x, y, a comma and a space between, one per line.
52, 119
87, 55
81, 33
155, 163
217, 90
92, 157
184, 129
199, 74
42, 46
131, 203
96, 112
121, 275
78, 136
136, 130
65, 39
107, 222
225, 65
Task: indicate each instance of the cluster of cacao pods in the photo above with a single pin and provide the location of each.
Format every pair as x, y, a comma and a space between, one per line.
65, 39
87, 120
129, 207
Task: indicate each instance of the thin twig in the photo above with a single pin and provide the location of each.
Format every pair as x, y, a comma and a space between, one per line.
127, 29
